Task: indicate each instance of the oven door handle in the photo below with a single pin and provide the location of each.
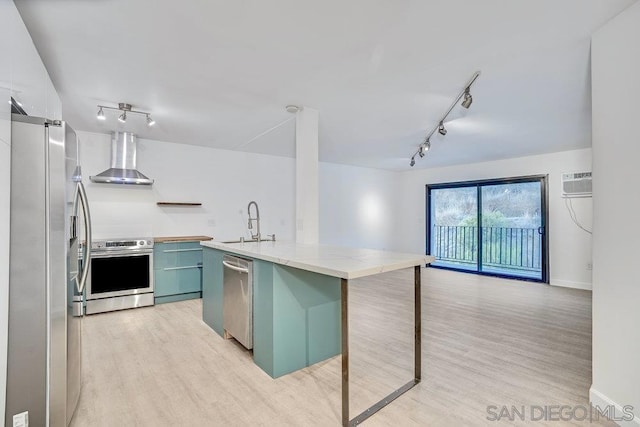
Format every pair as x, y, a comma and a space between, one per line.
81, 195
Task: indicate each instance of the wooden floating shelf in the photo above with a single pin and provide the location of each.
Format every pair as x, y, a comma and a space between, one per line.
179, 204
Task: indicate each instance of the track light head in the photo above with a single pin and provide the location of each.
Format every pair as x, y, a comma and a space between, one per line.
441, 129
150, 121
426, 145
468, 99
413, 161
123, 117
100, 115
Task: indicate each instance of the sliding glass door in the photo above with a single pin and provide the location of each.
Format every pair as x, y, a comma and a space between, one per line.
454, 236
494, 227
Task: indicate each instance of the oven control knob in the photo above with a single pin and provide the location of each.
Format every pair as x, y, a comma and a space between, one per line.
141, 242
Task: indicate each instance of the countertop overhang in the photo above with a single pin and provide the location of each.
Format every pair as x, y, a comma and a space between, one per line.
336, 261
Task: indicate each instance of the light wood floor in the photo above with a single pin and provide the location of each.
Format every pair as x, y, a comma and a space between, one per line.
486, 342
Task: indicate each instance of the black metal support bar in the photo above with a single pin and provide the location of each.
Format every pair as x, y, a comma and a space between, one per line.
480, 263
417, 338
382, 403
344, 283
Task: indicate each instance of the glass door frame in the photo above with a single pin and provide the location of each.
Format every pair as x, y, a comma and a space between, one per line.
544, 192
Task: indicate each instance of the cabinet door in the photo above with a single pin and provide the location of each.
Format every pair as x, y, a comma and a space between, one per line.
177, 281
183, 254
177, 270
212, 289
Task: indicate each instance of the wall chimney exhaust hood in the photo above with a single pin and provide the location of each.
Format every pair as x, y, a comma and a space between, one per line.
123, 162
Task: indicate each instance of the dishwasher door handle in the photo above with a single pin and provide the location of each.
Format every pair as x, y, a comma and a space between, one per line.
233, 267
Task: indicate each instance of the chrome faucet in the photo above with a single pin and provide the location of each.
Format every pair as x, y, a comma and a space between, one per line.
256, 219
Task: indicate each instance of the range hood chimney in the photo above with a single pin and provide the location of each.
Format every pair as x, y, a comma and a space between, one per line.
123, 162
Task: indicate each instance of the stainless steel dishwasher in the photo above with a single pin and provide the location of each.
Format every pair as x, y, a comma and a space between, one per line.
237, 300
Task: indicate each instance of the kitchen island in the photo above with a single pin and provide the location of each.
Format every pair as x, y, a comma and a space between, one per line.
300, 303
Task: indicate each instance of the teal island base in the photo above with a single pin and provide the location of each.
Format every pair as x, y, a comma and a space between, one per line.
296, 313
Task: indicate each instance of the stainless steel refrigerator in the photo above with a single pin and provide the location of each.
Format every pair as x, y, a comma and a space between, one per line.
49, 220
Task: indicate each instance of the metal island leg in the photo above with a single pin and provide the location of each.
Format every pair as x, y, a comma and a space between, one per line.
345, 352
346, 422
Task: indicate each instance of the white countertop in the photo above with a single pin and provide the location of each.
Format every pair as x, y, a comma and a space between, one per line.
346, 263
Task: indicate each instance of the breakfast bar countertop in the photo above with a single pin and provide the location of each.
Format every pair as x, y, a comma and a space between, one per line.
336, 261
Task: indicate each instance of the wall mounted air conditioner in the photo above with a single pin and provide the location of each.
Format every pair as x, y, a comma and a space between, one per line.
576, 184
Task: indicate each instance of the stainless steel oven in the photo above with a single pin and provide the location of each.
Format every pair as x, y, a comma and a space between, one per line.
120, 275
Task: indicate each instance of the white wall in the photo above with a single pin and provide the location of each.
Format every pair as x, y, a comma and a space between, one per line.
616, 152
23, 76
570, 247
5, 187
358, 206
223, 181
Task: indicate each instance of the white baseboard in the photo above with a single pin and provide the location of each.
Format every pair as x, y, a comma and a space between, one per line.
598, 399
570, 284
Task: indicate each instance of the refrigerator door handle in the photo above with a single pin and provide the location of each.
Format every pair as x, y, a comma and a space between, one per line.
86, 248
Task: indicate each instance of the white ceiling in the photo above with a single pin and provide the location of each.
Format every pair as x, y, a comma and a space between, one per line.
381, 72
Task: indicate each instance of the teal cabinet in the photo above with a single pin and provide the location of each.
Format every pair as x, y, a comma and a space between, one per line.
177, 269
178, 254
212, 290
296, 313
296, 318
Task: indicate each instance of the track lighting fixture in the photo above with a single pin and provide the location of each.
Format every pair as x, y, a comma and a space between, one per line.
468, 99
466, 103
125, 109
